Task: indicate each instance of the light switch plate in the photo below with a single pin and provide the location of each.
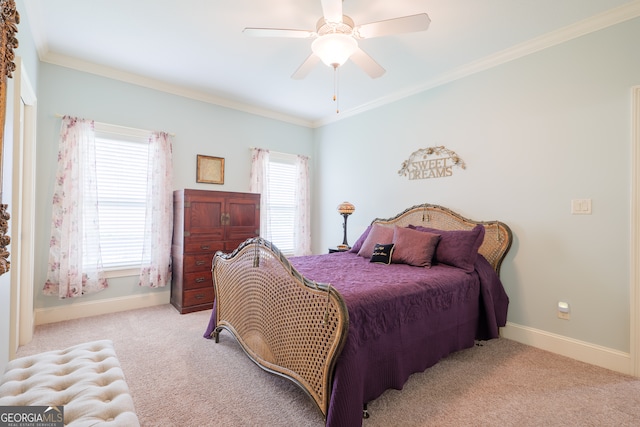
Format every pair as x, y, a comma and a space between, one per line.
581, 206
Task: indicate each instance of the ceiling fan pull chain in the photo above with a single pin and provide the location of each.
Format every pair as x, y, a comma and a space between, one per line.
335, 88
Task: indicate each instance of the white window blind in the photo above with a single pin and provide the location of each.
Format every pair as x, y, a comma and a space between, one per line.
281, 206
121, 175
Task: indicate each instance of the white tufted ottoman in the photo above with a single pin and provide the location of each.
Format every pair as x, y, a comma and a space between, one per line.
86, 379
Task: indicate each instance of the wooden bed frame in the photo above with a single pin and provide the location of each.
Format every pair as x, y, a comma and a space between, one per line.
294, 327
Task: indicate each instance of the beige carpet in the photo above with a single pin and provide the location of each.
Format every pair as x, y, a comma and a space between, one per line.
178, 378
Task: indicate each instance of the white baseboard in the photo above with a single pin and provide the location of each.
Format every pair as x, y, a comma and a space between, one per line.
604, 357
105, 306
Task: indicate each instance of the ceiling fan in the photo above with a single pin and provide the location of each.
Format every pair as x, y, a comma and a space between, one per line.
336, 38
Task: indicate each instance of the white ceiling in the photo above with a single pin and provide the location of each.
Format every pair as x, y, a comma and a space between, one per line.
196, 48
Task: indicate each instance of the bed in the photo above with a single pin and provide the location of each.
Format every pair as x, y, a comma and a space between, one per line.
346, 326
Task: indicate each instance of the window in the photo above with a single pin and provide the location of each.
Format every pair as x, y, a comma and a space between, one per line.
283, 183
121, 179
281, 205
114, 200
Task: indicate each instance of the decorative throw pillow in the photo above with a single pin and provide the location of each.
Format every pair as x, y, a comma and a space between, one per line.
377, 234
358, 244
458, 248
382, 253
414, 247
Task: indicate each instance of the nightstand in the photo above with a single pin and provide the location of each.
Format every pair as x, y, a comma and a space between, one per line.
332, 250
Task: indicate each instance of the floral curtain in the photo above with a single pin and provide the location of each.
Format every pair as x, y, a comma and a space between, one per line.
155, 271
259, 184
302, 230
75, 262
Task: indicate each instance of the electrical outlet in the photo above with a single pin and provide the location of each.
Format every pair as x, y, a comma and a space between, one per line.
563, 310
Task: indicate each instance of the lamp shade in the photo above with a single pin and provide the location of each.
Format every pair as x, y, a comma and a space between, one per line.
346, 208
334, 49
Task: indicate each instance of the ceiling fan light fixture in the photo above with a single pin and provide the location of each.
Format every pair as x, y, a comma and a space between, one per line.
334, 49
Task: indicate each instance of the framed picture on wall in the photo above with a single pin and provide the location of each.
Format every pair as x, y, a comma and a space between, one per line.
210, 170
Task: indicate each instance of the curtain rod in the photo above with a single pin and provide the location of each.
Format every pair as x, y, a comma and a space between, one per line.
278, 152
117, 126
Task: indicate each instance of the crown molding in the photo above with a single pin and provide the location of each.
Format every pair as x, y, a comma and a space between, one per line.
595, 23
136, 79
603, 20
35, 24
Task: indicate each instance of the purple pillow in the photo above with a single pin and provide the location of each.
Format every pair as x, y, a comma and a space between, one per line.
377, 235
458, 248
414, 247
358, 244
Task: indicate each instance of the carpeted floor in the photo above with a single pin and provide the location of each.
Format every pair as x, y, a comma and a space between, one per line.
178, 378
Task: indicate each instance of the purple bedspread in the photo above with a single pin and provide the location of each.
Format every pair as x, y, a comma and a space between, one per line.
402, 320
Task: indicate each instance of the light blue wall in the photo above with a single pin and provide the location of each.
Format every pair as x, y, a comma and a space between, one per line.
534, 133
27, 48
199, 128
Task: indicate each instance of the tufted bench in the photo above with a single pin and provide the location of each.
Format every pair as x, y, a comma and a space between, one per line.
86, 379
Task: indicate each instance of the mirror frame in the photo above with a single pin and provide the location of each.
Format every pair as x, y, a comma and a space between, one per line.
9, 20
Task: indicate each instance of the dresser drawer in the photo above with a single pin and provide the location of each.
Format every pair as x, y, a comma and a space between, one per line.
198, 296
194, 263
199, 279
199, 246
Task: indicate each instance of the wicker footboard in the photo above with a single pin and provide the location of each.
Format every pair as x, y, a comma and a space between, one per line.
285, 323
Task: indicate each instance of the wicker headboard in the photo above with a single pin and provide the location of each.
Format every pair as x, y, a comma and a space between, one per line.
497, 238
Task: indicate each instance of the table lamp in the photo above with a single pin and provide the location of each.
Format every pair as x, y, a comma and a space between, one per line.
345, 209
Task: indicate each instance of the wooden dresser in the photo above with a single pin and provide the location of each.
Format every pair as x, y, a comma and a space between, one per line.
205, 222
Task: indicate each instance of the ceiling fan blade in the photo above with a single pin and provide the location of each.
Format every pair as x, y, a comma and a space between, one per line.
278, 32
332, 10
367, 63
405, 24
306, 67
